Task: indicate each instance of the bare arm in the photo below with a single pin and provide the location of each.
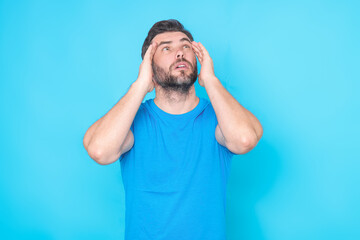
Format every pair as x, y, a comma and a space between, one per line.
238, 129
105, 138
110, 136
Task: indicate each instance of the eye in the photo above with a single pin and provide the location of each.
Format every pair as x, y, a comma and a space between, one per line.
165, 48
186, 46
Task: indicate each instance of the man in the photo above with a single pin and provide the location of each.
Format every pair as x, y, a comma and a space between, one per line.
175, 150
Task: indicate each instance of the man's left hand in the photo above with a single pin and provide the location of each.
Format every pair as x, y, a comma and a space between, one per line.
207, 66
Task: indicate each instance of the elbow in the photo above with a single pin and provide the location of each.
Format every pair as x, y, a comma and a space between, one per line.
99, 157
96, 155
243, 145
239, 149
259, 133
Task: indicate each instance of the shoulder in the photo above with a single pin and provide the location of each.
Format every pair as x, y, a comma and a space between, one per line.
141, 116
144, 108
208, 111
206, 107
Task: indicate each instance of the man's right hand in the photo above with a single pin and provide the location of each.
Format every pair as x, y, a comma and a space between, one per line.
145, 72
109, 137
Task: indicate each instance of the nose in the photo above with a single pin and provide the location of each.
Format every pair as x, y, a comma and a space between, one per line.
179, 54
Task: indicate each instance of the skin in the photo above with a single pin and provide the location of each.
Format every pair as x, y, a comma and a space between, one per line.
166, 56
238, 129
110, 136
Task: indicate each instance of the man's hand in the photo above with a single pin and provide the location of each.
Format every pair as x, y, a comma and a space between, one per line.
145, 72
109, 137
207, 66
238, 129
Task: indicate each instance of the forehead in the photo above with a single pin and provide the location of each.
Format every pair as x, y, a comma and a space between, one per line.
169, 36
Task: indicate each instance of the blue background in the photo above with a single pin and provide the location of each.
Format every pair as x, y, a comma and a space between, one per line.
293, 64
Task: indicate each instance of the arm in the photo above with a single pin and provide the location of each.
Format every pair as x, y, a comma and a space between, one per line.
105, 139
110, 136
238, 129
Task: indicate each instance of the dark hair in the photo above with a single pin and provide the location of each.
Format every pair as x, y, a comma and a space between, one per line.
170, 25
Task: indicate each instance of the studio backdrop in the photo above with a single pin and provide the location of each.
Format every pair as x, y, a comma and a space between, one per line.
293, 64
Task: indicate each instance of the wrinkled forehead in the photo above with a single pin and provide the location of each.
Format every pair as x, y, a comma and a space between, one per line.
170, 36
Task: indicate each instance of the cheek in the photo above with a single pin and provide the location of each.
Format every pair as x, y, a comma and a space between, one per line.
165, 65
161, 61
192, 56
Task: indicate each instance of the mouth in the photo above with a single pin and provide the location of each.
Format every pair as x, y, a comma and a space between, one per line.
181, 66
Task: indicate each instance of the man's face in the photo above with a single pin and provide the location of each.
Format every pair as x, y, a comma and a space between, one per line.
174, 62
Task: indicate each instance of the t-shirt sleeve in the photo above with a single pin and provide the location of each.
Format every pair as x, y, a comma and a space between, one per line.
211, 114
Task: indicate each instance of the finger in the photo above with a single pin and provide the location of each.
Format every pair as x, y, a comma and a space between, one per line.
153, 50
198, 54
196, 45
196, 49
200, 59
202, 48
148, 51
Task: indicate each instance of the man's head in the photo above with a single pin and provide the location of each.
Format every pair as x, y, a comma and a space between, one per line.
174, 62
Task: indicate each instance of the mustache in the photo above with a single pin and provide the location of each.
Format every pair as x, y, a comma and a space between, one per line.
181, 60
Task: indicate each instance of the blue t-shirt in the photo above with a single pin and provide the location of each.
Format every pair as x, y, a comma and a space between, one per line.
175, 175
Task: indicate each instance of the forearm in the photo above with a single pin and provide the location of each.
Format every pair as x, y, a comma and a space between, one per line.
237, 124
105, 137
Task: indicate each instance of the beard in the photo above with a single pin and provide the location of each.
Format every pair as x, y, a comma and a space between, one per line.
170, 83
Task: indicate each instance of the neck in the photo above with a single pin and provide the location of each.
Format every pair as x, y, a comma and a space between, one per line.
175, 102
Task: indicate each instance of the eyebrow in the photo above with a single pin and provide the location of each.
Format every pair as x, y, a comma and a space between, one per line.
167, 42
